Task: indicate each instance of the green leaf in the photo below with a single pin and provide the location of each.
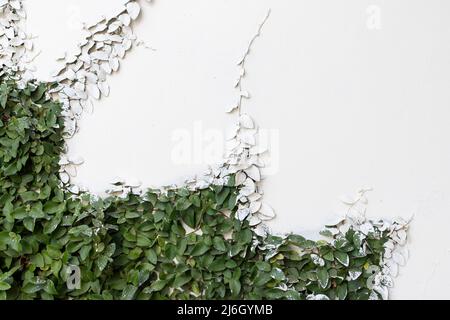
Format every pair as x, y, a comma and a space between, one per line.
102, 262
4, 238
245, 236
38, 260
56, 267
277, 274
183, 204
230, 264
128, 293
29, 223
143, 241
51, 225
232, 201
4, 286
323, 277
217, 265
181, 280
36, 211
84, 252
199, 249
222, 195
132, 215
31, 288
158, 216
29, 196
151, 256
341, 243
158, 285
189, 218
135, 253
342, 257
329, 256
54, 207
342, 291
219, 244
326, 233
50, 288
235, 287
8, 208
84, 230
263, 266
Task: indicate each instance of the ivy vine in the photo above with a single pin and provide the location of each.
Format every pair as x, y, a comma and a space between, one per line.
163, 244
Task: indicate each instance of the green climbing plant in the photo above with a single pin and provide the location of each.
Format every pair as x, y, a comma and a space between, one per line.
163, 244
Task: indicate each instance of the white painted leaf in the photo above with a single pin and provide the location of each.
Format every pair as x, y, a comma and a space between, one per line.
373, 296
393, 268
247, 137
70, 92
401, 237
404, 251
254, 197
383, 291
266, 212
63, 161
93, 91
246, 121
260, 231
70, 74
76, 160
254, 173
125, 19
127, 44
71, 170
248, 190
390, 245
71, 59
240, 178
106, 67
242, 213
366, 228
232, 108
335, 220
114, 26
133, 9
91, 77
133, 183
255, 206
386, 281
114, 63
104, 88
65, 178
245, 94
100, 55
349, 200
254, 221
387, 253
398, 258
343, 228
74, 189
232, 132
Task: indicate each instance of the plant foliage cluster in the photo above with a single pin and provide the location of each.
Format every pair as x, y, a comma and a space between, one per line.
173, 244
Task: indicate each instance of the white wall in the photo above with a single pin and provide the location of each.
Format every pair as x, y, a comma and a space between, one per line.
351, 106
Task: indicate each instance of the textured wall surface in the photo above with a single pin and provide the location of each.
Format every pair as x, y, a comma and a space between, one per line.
348, 94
